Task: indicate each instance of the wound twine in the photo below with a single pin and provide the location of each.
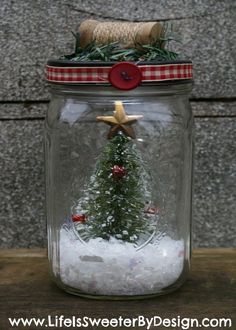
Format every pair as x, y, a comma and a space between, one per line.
128, 34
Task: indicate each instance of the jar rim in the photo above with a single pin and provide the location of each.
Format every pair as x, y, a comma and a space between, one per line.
69, 63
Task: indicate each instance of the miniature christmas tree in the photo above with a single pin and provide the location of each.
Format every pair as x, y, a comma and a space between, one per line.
115, 203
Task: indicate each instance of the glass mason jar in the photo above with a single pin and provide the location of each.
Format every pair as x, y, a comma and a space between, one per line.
118, 181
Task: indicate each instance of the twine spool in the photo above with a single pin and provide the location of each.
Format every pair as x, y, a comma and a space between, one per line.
128, 34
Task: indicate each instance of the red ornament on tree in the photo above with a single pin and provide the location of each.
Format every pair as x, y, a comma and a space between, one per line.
78, 218
152, 210
118, 171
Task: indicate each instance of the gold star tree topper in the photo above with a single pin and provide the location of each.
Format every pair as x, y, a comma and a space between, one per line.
120, 121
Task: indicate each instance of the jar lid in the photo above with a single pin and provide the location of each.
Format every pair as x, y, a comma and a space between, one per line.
121, 75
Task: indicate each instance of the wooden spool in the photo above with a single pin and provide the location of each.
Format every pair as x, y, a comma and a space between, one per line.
128, 34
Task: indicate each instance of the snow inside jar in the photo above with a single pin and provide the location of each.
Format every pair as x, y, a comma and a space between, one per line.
118, 176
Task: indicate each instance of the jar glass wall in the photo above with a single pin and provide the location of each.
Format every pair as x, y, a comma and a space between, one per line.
115, 257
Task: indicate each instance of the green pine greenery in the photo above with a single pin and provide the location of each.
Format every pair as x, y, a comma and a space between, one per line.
113, 52
114, 206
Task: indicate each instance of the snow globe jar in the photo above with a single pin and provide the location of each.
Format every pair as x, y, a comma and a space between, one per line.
118, 174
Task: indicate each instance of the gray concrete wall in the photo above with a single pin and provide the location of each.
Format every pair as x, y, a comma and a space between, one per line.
33, 31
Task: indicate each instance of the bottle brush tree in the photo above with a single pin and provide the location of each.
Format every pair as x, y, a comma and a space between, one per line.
115, 202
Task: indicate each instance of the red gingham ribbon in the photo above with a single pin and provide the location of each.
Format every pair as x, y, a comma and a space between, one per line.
150, 73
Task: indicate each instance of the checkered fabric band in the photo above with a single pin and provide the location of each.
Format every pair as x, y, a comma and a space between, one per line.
150, 73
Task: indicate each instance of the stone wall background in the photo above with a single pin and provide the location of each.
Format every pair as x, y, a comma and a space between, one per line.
33, 31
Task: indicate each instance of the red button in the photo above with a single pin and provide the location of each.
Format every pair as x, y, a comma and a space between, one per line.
125, 75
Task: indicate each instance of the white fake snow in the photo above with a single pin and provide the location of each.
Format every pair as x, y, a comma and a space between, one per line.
117, 268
